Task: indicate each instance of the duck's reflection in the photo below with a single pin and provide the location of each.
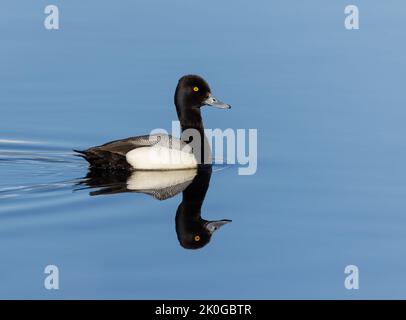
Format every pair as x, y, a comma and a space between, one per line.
192, 230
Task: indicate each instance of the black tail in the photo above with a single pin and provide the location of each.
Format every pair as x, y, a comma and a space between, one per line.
81, 153
104, 160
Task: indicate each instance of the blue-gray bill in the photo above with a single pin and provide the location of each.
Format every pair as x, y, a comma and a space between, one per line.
214, 102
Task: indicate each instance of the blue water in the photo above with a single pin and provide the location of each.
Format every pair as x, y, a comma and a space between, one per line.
329, 106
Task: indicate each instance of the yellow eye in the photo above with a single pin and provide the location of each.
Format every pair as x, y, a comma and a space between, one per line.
195, 89
197, 238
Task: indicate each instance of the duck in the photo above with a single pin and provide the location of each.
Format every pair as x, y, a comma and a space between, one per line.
161, 151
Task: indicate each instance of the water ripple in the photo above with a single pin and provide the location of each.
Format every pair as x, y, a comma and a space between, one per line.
32, 169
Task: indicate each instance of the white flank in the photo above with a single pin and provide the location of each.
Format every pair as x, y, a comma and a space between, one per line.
161, 158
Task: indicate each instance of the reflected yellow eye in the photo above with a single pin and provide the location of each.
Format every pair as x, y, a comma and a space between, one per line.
197, 238
195, 89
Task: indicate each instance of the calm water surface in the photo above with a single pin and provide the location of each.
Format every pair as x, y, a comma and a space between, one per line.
329, 106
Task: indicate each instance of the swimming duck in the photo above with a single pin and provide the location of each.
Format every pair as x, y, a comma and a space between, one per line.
161, 151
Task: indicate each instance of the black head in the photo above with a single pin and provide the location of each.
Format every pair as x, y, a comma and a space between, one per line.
191, 94
192, 91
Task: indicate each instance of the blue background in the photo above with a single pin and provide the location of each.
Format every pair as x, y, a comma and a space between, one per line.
329, 106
